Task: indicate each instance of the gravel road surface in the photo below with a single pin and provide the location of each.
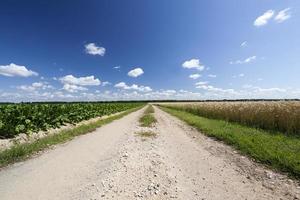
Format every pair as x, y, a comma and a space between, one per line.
117, 162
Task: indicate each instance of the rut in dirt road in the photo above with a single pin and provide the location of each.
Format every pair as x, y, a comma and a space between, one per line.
115, 162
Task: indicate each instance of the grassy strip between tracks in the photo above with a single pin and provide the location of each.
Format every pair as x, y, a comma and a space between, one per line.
21, 152
148, 120
277, 150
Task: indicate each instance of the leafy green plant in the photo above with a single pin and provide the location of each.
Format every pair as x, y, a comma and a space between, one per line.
33, 117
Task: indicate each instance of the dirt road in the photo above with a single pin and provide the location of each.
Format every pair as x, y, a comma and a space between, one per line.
115, 162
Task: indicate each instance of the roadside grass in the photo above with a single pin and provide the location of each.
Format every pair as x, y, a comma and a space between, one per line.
148, 120
149, 110
275, 149
146, 134
21, 152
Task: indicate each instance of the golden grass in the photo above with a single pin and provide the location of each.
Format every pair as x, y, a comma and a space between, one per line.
283, 116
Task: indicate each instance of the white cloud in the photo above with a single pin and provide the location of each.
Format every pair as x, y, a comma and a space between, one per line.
271, 90
135, 72
73, 88
12, 70
195, 76
117, 67
244, 44
212, 75
74, 84
205, 92
35, 86
282, 15
27, 88
193, 64
123, 85
105, 83
247, 60
93, 49
250, 59
204, 86
263, 19
83, 81
42, 85
211, 88
262, 91
201, 83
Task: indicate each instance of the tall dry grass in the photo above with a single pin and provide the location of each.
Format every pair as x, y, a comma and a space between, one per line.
280, 116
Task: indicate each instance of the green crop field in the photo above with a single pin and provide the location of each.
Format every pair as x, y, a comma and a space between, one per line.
33, 117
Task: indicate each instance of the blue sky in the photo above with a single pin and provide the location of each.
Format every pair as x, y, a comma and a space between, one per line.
115, 50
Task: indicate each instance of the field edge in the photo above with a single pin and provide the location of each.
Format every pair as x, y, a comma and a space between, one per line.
21, 152
283, 163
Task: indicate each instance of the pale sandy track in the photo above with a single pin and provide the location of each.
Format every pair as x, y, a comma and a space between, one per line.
115, 163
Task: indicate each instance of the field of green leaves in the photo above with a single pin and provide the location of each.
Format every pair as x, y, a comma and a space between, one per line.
33, 117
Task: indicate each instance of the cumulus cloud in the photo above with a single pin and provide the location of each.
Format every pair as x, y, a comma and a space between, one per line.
12, 70
121, 85
247, 60
210, 88
42, 85
205, 86
136, 72
195, 76
27, 88
73, 88
141, 88
93, 49
35, 86
283, 15
205, 91
105, 83
83, 81
193, 64
75, 84
201, 83
263, 19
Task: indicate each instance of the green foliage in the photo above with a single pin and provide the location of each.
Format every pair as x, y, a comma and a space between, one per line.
23, 151
27, 118
275, 149
149, 110
148, 120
